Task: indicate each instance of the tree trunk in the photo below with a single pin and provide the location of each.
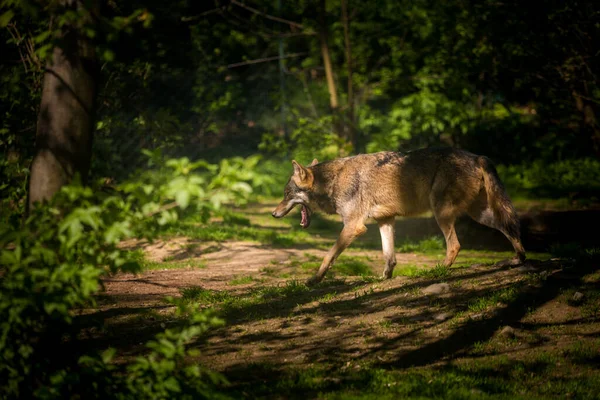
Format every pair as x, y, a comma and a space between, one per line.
350, 128
588, 112
65, 120
333, 99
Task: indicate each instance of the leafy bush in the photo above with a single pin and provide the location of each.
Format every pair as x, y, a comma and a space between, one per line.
553, 179
164, 373
310, 138
54, 262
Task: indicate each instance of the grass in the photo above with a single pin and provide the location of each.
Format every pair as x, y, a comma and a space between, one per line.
503, 296
431, 245
584, 353
498, 377
353, 266
228, 302
415, 271
346, 265
221, 232
243, 280
155, 265
200, 296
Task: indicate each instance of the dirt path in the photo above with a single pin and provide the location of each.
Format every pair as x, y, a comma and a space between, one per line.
220, 263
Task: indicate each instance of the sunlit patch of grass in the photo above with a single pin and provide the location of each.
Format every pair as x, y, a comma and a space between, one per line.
352, 266
327, 297
138, 256
156, 265
408, 270
309, 266
423, 271
385, 323
219, 232
243, 280
290, 288
203, 296
466, 261
431, 245
228, 302
504, 296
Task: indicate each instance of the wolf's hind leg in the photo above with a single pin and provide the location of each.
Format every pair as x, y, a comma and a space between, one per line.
445, 217
350, 232
386, 229
452, 243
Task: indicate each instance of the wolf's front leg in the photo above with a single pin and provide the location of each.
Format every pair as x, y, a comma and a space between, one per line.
386, 228
347, 236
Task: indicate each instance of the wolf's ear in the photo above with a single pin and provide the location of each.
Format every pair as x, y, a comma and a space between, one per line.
302, 176
314, 162
299, 170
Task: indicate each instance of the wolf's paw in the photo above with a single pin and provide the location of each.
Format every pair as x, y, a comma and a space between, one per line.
313, 280
387, 274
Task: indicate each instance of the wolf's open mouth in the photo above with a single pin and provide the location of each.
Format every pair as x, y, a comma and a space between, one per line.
305, 222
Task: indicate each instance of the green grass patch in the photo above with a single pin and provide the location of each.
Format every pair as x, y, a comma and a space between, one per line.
504, 296
415, 271
430, 245
489, 378
236, 219
243, 280
229, 303
290, 288
584, 353
154, 265
345, 265
352, 266
202, 296
219, 232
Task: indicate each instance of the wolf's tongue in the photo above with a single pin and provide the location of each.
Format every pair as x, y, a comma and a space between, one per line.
304, 213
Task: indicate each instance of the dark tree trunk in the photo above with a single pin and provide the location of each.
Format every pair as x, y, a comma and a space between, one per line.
350, 125
587, 108
331, 86
66, 116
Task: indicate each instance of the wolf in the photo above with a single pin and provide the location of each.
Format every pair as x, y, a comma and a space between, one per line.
448, 181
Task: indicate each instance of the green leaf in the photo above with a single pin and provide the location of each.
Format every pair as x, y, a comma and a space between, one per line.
6, 17
183, 198
41, 37
117, 232
108, 55
172, 385
108, 355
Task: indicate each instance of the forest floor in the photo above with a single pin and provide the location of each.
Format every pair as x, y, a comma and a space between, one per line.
476, 330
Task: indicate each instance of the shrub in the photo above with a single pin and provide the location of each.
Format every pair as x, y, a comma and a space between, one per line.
54, 262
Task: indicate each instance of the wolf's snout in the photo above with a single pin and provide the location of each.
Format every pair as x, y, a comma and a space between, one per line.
276, 214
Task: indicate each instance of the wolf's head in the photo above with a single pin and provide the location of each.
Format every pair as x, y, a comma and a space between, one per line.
297, 191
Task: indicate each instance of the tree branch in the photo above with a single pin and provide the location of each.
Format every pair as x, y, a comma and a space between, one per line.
261, 60
271, 17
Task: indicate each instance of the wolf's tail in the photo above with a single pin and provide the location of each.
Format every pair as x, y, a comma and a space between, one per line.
505, 215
